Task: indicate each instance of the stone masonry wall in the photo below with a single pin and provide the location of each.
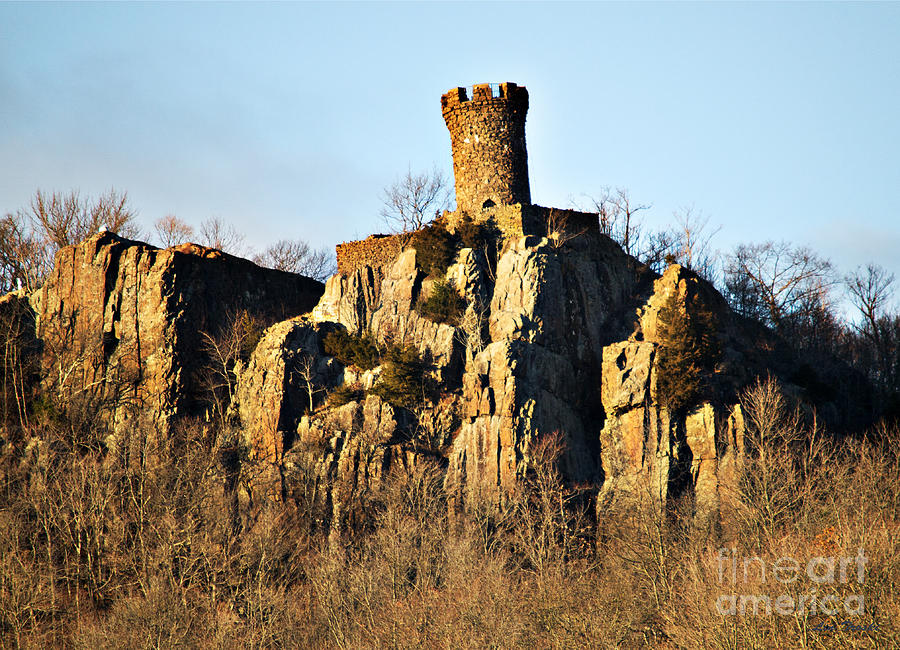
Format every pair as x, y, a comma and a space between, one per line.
518, 220
541, 221
490, 168
508, 218
374, 251
513, 221
487, 136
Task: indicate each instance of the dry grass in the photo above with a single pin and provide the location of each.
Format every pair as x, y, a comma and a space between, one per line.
103, 550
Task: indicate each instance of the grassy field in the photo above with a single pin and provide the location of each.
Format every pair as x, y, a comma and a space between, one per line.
140, 546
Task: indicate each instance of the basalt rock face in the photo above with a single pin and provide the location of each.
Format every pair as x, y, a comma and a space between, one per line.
342, 456
558, 338
334, 455
18, 358
567, 343
285, 377
381, 303
552, 311
651, 452
122, 323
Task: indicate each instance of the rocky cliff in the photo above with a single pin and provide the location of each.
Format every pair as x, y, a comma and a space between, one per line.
127, 326
554, 337
569, 342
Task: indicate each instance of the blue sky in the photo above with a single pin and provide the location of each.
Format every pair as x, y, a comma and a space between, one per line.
778, 121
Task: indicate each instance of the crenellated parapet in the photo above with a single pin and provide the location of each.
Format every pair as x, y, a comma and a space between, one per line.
487, 136
490, 167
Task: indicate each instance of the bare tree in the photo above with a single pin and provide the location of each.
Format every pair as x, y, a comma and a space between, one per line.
18, 361
870, 292
550, 518
170, 230
216, 233
693, 242
659, 248
619, 217
24, 260
234, 342
769, 490
67, 219
306, 370
783, 281
297, 256
629, 224
742, 293
688, 243
30, 238
413, 200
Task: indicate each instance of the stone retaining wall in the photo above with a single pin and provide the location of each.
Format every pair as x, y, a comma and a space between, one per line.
517, 220
374, 251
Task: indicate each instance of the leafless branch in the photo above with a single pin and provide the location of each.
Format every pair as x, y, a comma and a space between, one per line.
782, 280
216, 233
297, 256
414, 200
170, 231
559, 230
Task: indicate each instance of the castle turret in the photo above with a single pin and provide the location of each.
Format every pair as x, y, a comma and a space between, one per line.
487, 135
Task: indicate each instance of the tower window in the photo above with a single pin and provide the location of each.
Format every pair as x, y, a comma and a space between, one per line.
487, 204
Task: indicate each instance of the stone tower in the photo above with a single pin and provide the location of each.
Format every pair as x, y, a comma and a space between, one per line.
487, 134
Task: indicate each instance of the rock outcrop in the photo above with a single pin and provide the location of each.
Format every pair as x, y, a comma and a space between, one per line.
285, 377
571, 346
342, 455
18, 357
381, 303
650, 452
123, 323
396, 321
551, 312
559, 337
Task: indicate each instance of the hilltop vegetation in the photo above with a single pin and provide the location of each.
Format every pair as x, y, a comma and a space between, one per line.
104, 548
492, 441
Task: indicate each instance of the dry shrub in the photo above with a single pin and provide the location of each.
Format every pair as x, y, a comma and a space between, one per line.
146, 542
352, 350
421, 580
443, 304
768, 492
803, 495
346, 393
